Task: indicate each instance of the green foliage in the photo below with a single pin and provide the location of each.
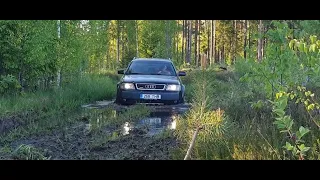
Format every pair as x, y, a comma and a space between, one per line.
155, 36
8, 84
310, 27
285, 124
275, 71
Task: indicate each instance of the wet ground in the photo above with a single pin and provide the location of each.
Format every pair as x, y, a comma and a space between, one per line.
93, 137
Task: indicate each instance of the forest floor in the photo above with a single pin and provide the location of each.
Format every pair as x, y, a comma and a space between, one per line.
90, 136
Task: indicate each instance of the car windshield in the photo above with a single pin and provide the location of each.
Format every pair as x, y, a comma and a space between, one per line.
151, 68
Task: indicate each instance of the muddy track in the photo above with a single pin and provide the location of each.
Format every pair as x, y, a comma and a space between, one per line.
137, 142
75, 143
135, 147
8, 123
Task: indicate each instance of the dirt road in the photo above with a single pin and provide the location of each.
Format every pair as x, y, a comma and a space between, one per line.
93, 137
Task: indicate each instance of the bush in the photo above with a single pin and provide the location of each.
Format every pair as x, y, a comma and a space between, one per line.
9, 84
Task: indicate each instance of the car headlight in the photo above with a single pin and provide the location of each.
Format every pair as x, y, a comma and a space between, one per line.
127, 86
173, 87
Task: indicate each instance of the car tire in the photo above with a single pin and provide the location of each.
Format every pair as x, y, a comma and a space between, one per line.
181, 101
119, 100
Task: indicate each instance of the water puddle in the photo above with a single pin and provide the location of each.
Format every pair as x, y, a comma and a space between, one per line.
98, 104
156, 123
160, 119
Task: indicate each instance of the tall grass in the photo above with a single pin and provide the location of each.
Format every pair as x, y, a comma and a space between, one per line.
243, 131
52, 109
81, 90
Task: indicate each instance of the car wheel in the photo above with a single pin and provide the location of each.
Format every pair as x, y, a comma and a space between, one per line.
119, 100
181, 101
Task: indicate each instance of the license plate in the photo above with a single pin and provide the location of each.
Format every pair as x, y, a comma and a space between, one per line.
150, 96
151, 121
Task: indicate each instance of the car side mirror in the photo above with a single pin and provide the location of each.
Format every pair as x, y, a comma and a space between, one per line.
121, 71
182, 73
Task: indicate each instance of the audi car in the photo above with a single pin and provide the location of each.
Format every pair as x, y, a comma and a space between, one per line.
150, 81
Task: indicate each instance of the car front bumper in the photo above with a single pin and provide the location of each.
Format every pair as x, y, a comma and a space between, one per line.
134, 95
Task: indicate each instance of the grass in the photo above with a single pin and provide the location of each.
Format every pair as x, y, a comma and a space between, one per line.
243, 131
27, 152
54, 108
77, 92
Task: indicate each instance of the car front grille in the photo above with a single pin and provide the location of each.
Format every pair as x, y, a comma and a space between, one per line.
150, 86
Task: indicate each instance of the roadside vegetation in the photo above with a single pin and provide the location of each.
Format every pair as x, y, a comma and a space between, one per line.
253, 86
258, 110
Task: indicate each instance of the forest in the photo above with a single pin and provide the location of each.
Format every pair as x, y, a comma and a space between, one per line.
253, 85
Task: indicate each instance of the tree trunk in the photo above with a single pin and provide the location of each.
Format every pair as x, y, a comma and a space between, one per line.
170, 39
245, 39
249, 36
230, 52
213, 47
187, 42
190, 40
234, 54
211, 43
199, 43
122, 41
264, 40
118, 42
208, 35
59, 69
167, 39
220, 56
223, 55
183, 39
196, 42
177, 41
260, 41
137, 39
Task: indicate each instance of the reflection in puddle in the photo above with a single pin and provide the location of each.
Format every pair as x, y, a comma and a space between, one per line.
126, 128
152, 125
159, 120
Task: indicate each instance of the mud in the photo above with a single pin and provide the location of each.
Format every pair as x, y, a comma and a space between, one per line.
135, 148
11, 122
75, 143
139, 140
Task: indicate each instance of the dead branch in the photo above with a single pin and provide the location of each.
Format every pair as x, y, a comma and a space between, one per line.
192, 143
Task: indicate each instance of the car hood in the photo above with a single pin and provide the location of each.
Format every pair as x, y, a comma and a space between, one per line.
151, 79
